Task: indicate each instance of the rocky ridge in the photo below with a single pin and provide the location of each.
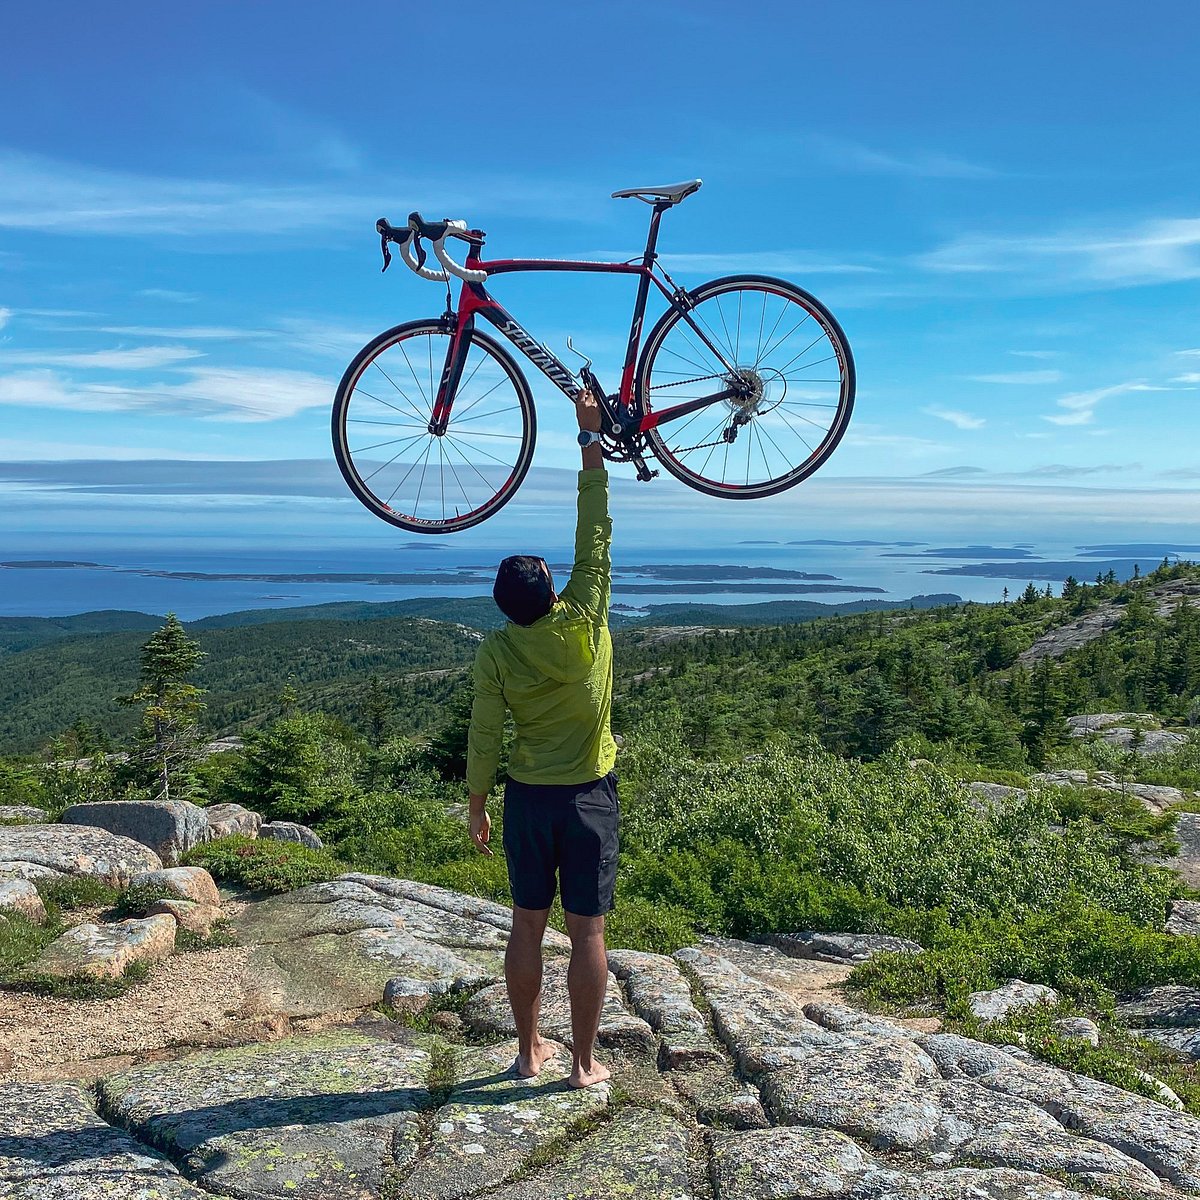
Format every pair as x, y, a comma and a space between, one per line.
738, 1074
1164, 597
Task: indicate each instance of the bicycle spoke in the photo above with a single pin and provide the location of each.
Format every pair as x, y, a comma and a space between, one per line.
368, 478
683, 358
363, 391
803, 353
364, 449
469, 463
767, 353
389, 424
407, 473
481, 416
414, 375
799, 435
491, 456
484, 396
773, 328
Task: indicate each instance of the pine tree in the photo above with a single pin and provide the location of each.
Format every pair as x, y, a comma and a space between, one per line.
170, 738
377, 708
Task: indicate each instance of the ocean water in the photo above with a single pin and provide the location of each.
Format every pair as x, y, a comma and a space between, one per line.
120, 579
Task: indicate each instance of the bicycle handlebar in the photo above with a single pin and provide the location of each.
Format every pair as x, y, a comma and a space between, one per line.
408, 240
437, 232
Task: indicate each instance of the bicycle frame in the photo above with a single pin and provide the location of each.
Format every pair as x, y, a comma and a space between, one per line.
630, 417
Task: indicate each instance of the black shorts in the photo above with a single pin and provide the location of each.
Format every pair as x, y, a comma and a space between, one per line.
569, 828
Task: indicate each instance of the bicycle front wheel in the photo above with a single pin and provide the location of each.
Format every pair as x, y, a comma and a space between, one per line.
787, 356
418, 480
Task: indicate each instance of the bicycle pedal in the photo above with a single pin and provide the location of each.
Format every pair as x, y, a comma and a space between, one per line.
645, 474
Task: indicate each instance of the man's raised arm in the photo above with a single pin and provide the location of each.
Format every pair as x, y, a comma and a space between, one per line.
591, 576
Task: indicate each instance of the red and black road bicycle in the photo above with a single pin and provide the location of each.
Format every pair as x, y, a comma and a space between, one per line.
742, 389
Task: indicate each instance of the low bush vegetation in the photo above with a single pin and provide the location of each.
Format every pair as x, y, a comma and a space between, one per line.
260, 865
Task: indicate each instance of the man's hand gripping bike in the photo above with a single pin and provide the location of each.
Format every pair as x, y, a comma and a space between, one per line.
742, 389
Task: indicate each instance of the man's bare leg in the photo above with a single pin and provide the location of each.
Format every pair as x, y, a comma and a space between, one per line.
587, 977
523, 975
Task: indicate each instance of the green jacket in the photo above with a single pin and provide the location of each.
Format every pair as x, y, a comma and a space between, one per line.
554, 676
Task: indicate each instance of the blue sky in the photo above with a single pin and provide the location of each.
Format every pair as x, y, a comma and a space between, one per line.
1001, 203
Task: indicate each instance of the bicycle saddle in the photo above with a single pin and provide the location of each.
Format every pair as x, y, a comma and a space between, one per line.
669, 193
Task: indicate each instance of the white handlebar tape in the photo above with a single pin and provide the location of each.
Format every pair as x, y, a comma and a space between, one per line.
454, 268
425, 272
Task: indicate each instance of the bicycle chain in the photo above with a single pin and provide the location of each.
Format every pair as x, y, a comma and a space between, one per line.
722, 441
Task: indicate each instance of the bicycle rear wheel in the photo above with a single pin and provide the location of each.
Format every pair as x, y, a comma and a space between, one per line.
790, 357
421, 481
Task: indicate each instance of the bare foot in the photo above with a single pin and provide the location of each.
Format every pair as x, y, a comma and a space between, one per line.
543, 1051
582, 1077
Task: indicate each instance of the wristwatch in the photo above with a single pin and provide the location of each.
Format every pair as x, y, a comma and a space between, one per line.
588, 437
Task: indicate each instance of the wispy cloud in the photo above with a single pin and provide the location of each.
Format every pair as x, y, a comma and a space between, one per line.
960, 420
1081, 406
5, 316
43, 193
921, 164
140, 358
1189, 377
1019, 378
224, 333
1158, 251
233, 394
169, 295
1034, 353
867, 435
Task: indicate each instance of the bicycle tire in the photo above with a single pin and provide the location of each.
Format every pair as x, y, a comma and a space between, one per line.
414, 408
842, 407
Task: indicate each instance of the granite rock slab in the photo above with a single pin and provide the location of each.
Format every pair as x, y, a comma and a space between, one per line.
105, 951
290, 831
793, 1163
1153, 1134
19, 895
48, 851
456, 904
488, 1013
331, 973
999, 1003
761, 1026
22, 814
232, 820
185, 883
662, 997
53, 1146
168, 827
852, 948
639, 1153
493, 1121
309, 1118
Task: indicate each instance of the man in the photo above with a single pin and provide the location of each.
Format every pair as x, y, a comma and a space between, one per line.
551, 666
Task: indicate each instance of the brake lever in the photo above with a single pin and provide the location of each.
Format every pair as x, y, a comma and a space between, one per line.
387, 254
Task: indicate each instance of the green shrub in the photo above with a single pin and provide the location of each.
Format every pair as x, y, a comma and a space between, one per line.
1075, 949
75, 892
137, 899
263, 865
85, 987
636, 924
21, 941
